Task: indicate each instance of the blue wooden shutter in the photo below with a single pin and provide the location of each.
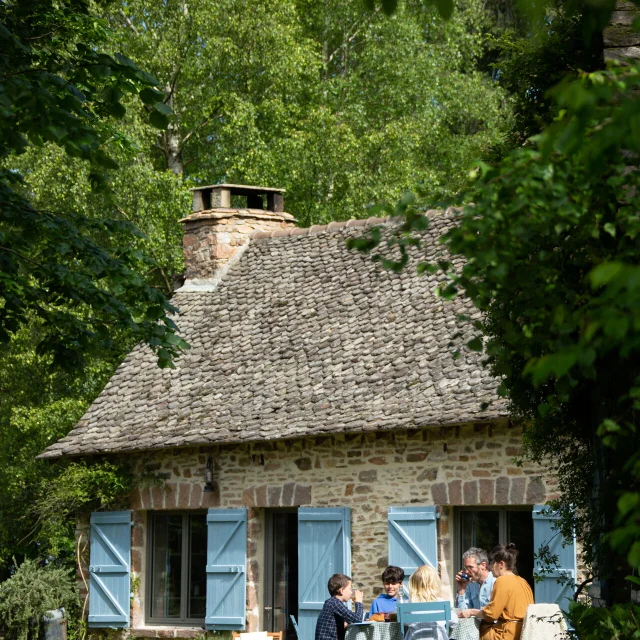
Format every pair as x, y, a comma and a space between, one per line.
413, 538
544, 533
109, 565
324, 548
226, 569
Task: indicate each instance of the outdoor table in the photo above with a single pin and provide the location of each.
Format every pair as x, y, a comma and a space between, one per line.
466, 629
374, 631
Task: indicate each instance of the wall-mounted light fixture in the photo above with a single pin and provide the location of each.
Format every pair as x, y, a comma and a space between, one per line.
208, 475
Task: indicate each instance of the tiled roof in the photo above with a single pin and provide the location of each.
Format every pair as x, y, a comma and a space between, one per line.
301, 337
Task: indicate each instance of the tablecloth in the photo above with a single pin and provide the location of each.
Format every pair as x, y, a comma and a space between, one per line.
466, 629
374, 631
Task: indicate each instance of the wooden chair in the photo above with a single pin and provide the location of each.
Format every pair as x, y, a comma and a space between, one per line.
412, 612
271, 635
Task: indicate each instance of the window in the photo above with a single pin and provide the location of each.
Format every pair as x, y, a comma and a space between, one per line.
281, 571
486, 528
176, 589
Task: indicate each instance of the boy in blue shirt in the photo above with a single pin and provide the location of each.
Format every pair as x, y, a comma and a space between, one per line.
392, 579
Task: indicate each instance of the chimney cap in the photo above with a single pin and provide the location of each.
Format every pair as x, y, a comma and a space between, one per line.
218, 196
239, 189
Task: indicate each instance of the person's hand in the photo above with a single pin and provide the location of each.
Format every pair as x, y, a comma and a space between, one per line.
357, 595
461, 585
464, 613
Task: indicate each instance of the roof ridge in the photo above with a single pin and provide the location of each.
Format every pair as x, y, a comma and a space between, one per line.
335, 226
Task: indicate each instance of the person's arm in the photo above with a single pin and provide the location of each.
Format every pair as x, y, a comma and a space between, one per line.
374, 607
499, 599
469, 613
347, 615
462, 600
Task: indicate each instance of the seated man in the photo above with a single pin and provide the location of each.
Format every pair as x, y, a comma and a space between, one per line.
474, 593
392, 578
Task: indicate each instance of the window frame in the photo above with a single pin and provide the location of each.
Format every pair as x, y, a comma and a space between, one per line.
185, 576
502, 524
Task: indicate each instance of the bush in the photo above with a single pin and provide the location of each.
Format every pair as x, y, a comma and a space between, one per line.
29, 593
620, 622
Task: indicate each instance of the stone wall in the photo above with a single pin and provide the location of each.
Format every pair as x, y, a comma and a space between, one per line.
464, 465
212, 238
620, 41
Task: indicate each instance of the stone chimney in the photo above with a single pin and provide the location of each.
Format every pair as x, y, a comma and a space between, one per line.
216, 231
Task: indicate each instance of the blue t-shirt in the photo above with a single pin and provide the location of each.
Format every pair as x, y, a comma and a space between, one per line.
383, 604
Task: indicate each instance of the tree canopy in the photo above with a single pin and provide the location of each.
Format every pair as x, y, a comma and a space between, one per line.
77, 276
550, 256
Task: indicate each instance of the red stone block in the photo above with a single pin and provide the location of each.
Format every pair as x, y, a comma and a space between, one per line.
302, 495
249, 497
184, 495
261, 496
157, 497
195, 501
287, 494
470, 492
503, 484
455, 492
487, 491
135, 500
211, 499
517, 490
273, 496
535, 491
137, 536
171, 495
439, 493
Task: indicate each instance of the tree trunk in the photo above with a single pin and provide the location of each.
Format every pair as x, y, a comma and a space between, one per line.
173, 150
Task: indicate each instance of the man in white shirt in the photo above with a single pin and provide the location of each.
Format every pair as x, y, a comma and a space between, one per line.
474, 593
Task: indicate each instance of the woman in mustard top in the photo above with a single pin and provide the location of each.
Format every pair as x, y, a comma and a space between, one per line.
511, 595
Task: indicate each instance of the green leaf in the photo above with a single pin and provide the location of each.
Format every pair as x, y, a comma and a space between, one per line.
604, 273
162, 108
116, 110
445, 8
475, 344
389, 6
150, 95
158, 120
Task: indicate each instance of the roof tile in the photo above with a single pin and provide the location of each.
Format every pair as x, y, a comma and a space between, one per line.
301, 337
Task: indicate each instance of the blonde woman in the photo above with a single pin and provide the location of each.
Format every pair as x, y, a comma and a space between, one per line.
425, 586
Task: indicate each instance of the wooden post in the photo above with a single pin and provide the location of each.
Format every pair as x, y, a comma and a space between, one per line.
275, 202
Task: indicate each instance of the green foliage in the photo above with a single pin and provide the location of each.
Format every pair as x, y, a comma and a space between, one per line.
620, 622
38, 405
528, 60
550, 257
340, 105
79, 276
77, 488
31, 591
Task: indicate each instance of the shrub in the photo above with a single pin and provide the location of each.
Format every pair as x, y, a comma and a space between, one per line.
29, 593
620, 622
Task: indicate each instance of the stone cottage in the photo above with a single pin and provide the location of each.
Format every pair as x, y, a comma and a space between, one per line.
319, 423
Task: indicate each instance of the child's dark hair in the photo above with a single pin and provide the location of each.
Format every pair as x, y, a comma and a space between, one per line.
337, 582
505, 553
392, 575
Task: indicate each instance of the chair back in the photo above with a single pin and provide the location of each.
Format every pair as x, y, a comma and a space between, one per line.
295, 626
411, 612
543, 622
257, 635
